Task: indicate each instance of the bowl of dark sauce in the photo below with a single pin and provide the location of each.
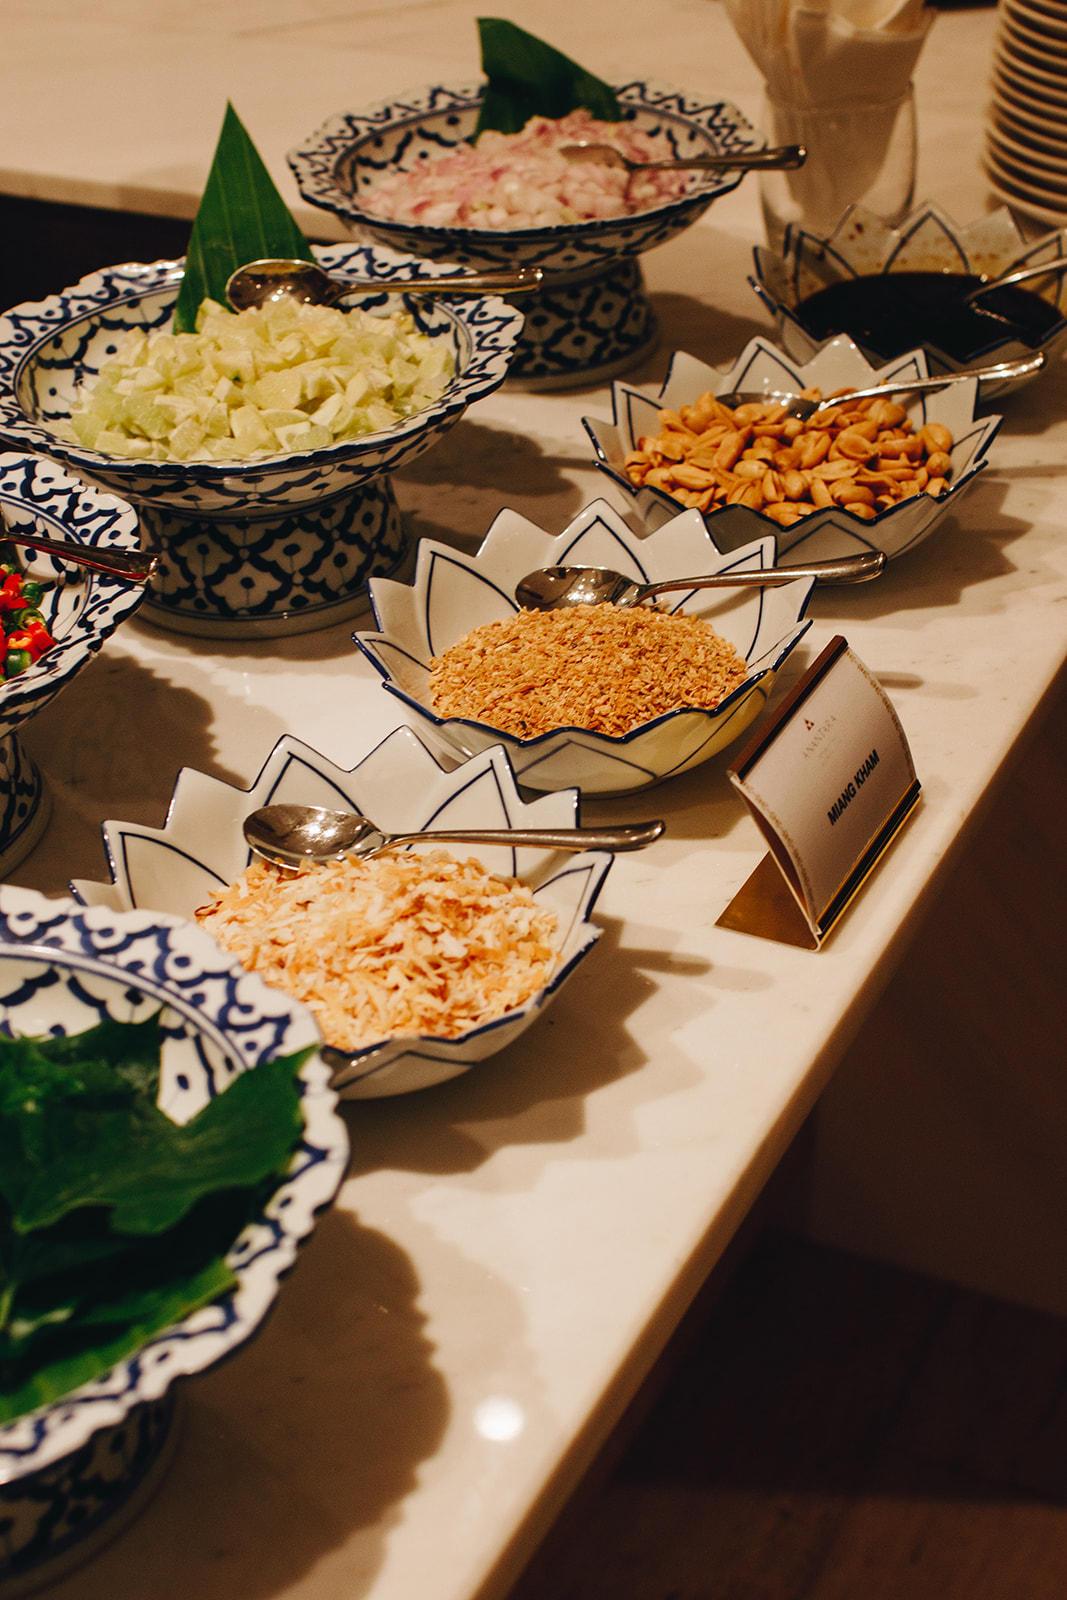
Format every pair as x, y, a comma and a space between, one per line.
892, 312
893, 290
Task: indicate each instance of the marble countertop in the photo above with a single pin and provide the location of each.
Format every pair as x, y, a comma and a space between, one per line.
512, 1250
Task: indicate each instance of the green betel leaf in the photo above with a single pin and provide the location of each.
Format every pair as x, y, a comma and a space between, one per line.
131, 1157
528, 78
114, 1221
241, 218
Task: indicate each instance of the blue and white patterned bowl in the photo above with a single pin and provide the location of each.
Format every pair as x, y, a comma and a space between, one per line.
261, 547
591, 319
453, 593
82, 609
402, 787
824, 535
64, 968
926, 241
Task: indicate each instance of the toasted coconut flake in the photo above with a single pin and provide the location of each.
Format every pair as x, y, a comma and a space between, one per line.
601, 667
401, 944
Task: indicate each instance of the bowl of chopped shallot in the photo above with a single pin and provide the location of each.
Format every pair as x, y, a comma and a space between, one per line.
603, 698
873, 475
411, 173
417, 963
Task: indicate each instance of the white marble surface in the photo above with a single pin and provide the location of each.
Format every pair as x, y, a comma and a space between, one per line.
512, 1249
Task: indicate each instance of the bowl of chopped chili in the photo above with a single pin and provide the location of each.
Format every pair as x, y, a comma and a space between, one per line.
54, 616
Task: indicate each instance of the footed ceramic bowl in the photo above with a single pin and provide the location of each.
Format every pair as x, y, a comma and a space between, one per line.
926, 241
453, 593
81, 608
823, 535
591, 319
401, 786
261, 547
68, 1468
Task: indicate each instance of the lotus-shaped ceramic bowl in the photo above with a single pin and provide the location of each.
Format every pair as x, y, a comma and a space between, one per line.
825, 534
67, 1468
926, 241
81, 608
267, 545
401, 786
453, 593
591, 318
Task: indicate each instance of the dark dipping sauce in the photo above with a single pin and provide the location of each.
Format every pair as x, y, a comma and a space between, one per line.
892, 312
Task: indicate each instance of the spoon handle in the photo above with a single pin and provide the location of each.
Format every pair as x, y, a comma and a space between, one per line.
132, 565
499, 280
634, 836
1022, 275
1001, 369
780, 158
850, 569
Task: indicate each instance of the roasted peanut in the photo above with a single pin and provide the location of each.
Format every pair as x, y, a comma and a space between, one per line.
863, 456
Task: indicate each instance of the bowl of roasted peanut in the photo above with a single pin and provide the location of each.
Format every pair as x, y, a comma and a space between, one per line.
876, 474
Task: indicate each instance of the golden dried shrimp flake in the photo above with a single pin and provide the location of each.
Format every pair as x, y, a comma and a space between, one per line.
603, 668
862, 455
401, 944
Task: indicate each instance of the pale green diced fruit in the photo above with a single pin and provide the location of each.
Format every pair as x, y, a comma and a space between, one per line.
379, 416
276, 391
326, 414
276, 418
314, 373
145, 415
356, 388
236, 364
291, 347
341, 425
250, 431
86, 428
293, 435
187, 438
216, 421
120, 444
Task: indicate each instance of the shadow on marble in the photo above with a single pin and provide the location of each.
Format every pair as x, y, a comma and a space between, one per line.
533, 1093
298, 1451
485, 470
111, 746
705, 331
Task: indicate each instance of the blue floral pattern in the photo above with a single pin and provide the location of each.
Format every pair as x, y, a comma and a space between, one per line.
247, 547
63, 967
591, 319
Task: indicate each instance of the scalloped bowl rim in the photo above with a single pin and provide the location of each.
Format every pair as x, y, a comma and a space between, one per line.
384, 1054
704, 191
465, 388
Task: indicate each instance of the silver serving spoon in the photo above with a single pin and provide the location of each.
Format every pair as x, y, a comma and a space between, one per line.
298, 836
802, 408
276, 278
782, 158
553, 588
132, 565
1023, 275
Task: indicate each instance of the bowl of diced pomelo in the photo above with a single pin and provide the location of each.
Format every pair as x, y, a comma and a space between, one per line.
257, 449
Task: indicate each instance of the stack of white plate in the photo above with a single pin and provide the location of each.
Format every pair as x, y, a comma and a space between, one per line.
1026, 140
